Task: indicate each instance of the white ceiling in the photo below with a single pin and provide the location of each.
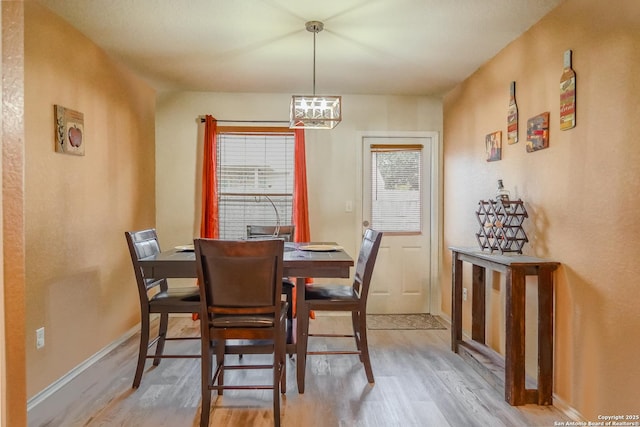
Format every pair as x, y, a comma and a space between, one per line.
402, 47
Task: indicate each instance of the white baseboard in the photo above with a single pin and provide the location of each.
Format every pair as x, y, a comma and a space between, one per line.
446, 319
59, 383
566, 409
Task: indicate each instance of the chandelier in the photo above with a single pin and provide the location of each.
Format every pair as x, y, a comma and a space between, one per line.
312, 111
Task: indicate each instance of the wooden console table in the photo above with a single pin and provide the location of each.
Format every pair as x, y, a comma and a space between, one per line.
510, 370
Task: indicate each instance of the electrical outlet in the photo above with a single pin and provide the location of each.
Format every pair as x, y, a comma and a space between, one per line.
40, 337
464, 294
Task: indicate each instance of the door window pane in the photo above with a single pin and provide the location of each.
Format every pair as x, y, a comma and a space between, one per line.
395, 188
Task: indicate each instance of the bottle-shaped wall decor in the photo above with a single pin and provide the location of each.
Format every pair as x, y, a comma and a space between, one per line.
512, 116
567, 94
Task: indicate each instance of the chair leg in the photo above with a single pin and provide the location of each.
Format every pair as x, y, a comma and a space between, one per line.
355, 323
364, 346
206, 361
303, 323
162, 335
220, 349
142, 352
277, 370
283, 361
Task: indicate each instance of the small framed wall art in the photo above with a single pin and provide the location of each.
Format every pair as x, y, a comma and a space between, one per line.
538, 132
493, 145
69, 131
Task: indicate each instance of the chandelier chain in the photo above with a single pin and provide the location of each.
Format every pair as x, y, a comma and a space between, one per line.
314, 63
314, 27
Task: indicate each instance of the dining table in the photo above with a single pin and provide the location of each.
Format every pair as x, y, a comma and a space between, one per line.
301, 260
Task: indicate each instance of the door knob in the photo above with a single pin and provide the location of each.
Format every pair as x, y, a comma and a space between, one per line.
365, 223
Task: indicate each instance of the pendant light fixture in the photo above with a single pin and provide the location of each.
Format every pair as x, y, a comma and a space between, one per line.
311, 111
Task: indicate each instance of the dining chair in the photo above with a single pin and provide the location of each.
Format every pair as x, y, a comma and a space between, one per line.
285, 232
156, 297
349, 298
241, 312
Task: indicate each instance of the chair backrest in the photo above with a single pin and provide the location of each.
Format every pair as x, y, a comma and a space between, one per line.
285, 232
240, 276
142, 244
366, 261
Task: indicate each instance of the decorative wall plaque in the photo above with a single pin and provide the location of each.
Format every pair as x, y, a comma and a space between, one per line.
538, 132
567, 94
493, 145
512, 116
69, 131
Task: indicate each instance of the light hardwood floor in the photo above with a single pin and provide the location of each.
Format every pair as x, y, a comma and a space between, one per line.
419, 382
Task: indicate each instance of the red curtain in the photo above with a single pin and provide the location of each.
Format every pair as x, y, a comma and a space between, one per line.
209, 225
300, 200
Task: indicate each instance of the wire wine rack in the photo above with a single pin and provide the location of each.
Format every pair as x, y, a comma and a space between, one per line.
501, 225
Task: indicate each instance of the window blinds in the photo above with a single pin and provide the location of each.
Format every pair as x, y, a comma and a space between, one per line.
255, 181
396, 204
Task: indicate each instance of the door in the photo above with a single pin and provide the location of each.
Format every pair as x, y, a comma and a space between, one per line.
397, 198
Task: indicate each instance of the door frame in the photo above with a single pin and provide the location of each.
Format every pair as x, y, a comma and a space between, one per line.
435, 226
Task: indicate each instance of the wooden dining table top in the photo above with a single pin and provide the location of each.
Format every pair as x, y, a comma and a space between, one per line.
297, 262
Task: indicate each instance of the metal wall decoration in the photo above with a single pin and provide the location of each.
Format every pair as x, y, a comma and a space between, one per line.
69, 129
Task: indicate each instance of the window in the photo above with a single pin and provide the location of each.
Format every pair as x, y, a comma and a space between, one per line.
395, 188
255, 180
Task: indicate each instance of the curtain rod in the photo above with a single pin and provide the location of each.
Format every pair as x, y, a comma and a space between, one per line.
202, 120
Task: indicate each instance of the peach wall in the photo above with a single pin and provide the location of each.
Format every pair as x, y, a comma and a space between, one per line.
581, 193
80, 284
12, 281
